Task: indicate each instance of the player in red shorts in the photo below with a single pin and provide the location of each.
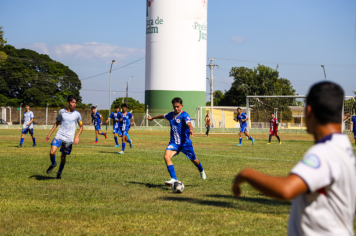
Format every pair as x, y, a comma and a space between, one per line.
273, 128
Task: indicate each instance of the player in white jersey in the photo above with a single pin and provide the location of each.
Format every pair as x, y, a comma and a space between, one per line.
68, 119
323, 184
27, 125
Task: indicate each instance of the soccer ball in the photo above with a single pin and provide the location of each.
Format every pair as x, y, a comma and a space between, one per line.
177, 187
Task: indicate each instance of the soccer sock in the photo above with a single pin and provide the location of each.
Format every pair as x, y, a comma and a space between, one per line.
96, 140
53, 159
270, 136
199, 166
123, 146
251, 138
103, 134
240, 140
128, 140
172, 172
116, 141
128, 137
61, 166
34, 140
21, 141
278, 139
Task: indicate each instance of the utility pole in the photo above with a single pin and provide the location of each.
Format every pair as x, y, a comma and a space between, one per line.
324, 71
211, 66
127, 91
110, 90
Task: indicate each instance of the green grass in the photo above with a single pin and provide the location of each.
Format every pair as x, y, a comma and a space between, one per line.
103, 193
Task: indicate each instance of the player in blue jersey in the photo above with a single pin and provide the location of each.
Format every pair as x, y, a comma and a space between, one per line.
181, 129
116, 118
68, 119
242, 118
97, 121
353, 127
125, 125
27, 125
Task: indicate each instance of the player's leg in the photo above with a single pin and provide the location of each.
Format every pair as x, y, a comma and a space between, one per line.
115, 137
189, 152
33, 137
123, 141
22, 137
66, 150
269, 139
101, 133
249, 137
128, 139
52, 155
240, 139
279, 140
96, 135
170, 167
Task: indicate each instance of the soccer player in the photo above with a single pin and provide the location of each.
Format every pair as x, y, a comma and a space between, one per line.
207, 124
125, 125
242, 118
68, 119
27, 125
322, 185
97, 120
273, 129
353, 127
116, 118
181, 129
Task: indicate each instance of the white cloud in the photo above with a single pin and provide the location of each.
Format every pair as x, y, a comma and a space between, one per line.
88, 51
238, 39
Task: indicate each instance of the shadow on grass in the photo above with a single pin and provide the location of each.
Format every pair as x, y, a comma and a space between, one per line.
41, 177
265, 201
162, 186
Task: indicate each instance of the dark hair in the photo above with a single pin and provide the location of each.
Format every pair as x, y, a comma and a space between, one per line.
177, 100
117, 106
71, 97
238, 108
272, 113
326, 100
123, 105
27, 104
92, 107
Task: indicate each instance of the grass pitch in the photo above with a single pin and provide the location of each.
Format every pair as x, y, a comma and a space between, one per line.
104, 193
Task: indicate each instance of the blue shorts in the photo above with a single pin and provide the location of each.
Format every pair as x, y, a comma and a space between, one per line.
243, 128
26, 131
64, 149
186, 148
116, 131
124, 132
97, 127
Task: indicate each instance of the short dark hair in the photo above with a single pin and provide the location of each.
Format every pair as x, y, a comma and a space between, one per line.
272, 113
27, 104
92, 107
71, 97
326, 100
117, 106
177, 100
238, 108
124, 105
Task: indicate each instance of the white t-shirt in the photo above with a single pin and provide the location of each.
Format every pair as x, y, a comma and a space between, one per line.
69, 121
27, 116
328, 208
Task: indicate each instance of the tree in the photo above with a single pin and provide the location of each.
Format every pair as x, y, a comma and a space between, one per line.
37, 79
218, 97
3, 55
133, 105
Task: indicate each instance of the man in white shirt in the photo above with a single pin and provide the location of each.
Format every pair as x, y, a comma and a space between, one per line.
68, 119
27, 125
323, 184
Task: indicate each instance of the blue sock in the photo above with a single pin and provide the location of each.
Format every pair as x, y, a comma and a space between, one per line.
199, 166
34, 140
96, 140
102, 133
53, 159
61, 166
21, 141
240, 140
128, 140
128, 137
172, 172
250, 138
116, 141
123, 146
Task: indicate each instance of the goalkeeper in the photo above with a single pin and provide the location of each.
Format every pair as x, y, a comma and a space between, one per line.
273, 130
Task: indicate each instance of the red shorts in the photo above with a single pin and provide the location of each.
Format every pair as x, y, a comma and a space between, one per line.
273, 132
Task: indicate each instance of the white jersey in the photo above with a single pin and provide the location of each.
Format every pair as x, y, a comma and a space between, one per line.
328, 208
27, 117
69, 121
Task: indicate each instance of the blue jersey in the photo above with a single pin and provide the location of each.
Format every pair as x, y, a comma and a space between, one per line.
126, 121
96, 117
115, 117
179, 127
353, 122
240, 118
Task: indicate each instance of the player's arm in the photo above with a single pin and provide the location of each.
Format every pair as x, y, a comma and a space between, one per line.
76, 139
101, 120
52, 130
285, 188
156, 117
189, 124
351, 127
28, 124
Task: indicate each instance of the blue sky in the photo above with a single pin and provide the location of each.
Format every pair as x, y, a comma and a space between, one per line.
87, 35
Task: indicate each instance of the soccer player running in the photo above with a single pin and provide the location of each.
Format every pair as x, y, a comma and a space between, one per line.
125, 125
116, 118
322, 185
353, 127
97, 120
68, 119
181, 129
273, 129
242, 118
27, 125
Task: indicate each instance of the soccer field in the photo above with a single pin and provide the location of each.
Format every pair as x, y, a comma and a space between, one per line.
104, 193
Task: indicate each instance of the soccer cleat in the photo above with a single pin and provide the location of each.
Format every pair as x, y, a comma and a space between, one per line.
268, 143
117, 145
19, 146
253, 142
170, 182
34, 145
280, 142
105, 136
239, 144
131, 145
203, 175
59, 175
95, 142
121, 152
50, 168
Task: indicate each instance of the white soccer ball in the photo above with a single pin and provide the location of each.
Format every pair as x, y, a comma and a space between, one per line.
177, 187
